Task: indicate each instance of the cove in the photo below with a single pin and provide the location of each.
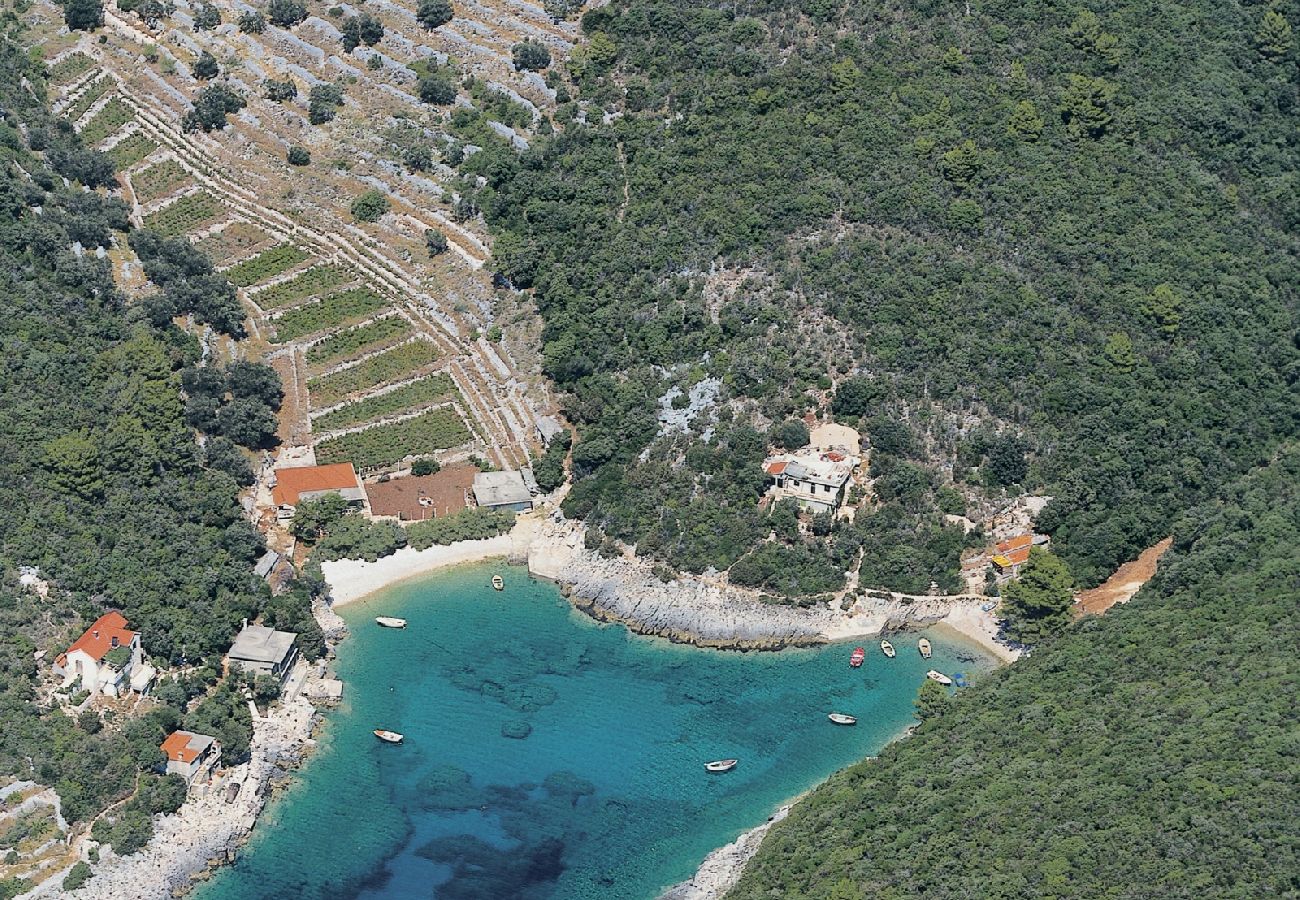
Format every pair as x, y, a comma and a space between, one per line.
606, 795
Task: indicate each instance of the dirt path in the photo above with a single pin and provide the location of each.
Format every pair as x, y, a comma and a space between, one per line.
1120, 587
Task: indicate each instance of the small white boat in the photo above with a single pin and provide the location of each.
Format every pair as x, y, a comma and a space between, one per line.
721, 765
924, 646
934, 675
888, 649
498, 583
390, 737
390, 622
843, 719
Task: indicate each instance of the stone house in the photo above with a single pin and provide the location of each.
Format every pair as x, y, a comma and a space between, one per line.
106, 659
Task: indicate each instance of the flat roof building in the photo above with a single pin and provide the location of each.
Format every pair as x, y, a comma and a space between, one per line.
502, 490
260, 650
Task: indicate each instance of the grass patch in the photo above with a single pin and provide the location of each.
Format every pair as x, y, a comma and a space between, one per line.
384, 445
130, 150
405, 398
380, 369
316, 280
356, 341
158, 180
185, 215
334, 310
266, 264
108, 120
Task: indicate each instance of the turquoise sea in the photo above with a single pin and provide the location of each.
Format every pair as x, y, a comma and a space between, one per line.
606, 797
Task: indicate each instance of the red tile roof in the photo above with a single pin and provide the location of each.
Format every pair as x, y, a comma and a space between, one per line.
776, 468
98, 638
177, 747
289, 483
1016, 543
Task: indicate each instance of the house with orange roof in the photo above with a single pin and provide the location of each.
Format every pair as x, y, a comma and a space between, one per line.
190, 755
107, 659
298, 483
1010, 555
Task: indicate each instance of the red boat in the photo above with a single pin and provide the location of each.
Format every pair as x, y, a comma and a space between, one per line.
859, 654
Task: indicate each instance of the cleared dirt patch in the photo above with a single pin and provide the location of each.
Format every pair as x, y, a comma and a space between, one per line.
1120, 587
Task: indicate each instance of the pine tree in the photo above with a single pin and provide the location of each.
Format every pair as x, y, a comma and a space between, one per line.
1038, 603
1274, 37
1025, 122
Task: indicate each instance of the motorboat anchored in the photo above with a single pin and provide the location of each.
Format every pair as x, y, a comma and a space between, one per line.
390, 737
498, 583
857, 656
721, 765
924, 646
934, 675
888, 649
843, 719
390, 622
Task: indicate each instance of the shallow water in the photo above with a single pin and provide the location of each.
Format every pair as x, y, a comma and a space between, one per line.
606, 797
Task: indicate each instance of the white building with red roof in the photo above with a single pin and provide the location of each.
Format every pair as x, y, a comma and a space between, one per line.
295, 484
107, 659
190, 755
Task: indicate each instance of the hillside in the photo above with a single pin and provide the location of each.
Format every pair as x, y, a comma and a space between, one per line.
1028, 235
1147, 753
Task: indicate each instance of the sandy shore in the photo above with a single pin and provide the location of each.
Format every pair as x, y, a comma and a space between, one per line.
352, 579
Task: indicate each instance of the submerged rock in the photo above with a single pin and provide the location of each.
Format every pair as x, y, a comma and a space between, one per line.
518, 730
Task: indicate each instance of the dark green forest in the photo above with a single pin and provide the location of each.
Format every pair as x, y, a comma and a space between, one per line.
103, 485
1147, 753
1055, 245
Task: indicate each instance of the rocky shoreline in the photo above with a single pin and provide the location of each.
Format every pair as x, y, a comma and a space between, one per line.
709, 613
208, 830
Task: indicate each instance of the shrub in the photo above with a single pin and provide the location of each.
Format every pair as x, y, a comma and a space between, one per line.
280, 90
435, 242
437, 90
287, 13
369, 206
252, 22
530, 56
83, 15
298, 156
206, 68
433, 13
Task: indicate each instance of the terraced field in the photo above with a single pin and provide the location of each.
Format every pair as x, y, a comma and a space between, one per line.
284, 235
266, 265
384, 445
186, 214
312, 283
373, 372
407, 397
158, 180
355, 342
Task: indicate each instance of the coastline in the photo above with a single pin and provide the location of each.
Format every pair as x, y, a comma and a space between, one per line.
207, 831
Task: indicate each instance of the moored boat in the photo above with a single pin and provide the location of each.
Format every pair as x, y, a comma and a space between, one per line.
888, 649
858, 655
924, 646
498, 583
934, 675
843, 719
391, 737
390, 622
721, 765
